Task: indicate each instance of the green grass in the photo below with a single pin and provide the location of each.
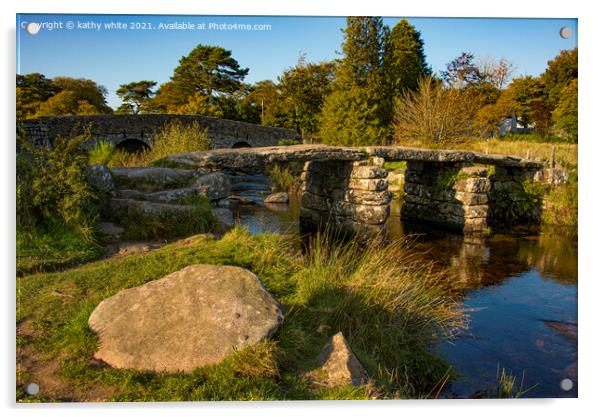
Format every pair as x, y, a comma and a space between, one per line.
390, 308
51, 248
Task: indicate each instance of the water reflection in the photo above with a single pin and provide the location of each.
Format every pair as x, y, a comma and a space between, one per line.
520, 290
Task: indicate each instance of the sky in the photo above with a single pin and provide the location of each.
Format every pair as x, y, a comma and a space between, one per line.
146, 47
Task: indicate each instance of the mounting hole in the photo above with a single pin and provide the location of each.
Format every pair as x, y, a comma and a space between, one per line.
32, 389
565, 32
566, 384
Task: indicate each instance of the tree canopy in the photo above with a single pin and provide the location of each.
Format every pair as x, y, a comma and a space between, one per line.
135, 95
356, 111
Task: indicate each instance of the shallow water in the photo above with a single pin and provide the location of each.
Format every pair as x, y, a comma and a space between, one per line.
520, 291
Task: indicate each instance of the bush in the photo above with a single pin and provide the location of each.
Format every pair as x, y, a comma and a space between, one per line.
52, 186
434, 114
57, 208
561, 205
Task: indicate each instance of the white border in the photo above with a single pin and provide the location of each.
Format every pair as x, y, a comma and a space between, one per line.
589, 205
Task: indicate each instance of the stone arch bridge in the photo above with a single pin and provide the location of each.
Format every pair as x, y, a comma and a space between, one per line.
347, 187
134, 132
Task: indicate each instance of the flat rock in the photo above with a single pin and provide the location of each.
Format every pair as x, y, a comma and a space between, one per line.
277, 198
340, 364
193, 317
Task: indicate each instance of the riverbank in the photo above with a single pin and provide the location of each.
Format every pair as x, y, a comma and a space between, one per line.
390, 308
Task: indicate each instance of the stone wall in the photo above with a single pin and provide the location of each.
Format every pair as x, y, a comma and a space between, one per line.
350, 195
119, 128
444, 194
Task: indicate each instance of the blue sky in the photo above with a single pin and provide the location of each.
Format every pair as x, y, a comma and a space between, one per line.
115, 56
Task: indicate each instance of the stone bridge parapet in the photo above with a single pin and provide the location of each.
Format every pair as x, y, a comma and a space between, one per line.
140, 128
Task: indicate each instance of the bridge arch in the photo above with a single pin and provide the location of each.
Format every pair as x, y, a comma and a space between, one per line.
133, 145
241, 144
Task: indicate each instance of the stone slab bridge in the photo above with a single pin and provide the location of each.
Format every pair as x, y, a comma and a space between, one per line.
348, 188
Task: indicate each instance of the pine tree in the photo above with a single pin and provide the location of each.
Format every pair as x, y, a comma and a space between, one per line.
405, 62
355, 112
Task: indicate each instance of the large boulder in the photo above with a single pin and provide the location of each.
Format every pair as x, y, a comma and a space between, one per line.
190, 318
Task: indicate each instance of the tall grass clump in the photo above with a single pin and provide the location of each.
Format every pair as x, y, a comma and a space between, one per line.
102, 153
174, 137
390, 306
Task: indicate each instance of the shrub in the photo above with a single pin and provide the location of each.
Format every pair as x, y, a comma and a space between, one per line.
561, 205
52, 185
433, 114
57, 208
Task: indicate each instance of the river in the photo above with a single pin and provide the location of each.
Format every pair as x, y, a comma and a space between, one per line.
520, 292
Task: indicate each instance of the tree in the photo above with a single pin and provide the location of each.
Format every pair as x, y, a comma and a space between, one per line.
496, 72
265, 97
462, 72
405, 62
560, 72
85, 90
356, 111
302, 90
565, 114
135, 95
32, 90
527, 100
200, 83
74, 96
434, 114
208, 70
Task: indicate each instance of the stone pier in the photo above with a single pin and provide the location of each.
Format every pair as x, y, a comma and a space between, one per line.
349, 196
452, 195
